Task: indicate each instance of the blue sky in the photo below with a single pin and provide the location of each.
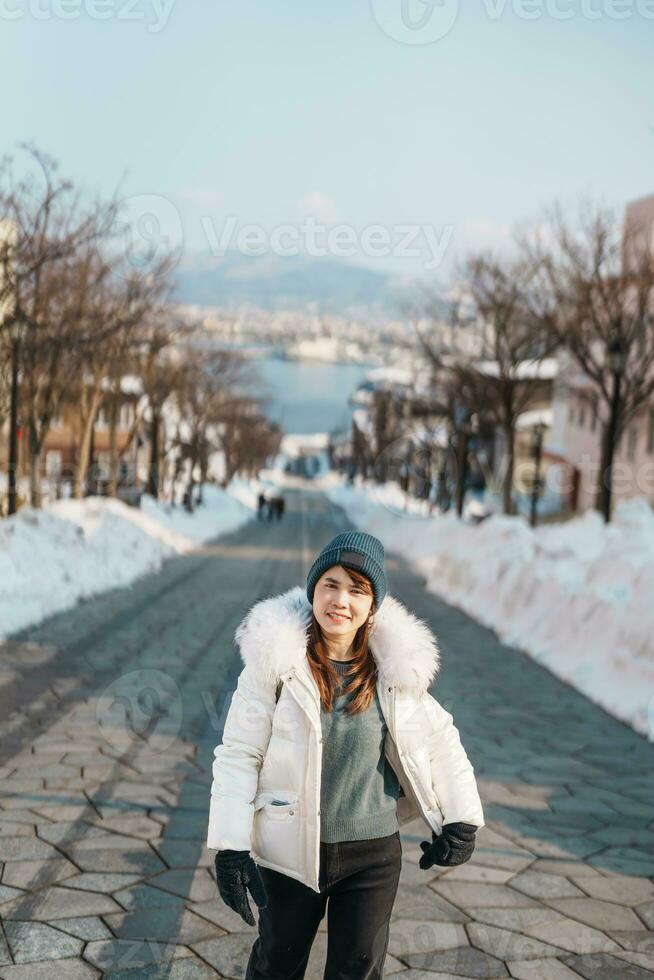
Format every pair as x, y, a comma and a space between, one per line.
270, 112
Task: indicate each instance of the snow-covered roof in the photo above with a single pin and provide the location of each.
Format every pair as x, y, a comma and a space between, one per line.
541, 370
395, 375
295, 443
361, 418
130, 384
536, 416
434, 437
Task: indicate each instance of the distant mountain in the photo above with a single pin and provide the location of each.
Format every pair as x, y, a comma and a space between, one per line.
274, 282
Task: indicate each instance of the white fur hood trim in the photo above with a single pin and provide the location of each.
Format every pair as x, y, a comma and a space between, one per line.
273, 636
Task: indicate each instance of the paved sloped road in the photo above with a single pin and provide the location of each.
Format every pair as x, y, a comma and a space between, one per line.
109, 717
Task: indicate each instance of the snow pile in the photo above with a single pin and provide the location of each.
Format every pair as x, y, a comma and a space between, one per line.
73, 549
221, 511
576, 596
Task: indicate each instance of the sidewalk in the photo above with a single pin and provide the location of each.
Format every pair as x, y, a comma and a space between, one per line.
102, 822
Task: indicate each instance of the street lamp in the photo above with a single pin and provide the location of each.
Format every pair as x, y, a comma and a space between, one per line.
468, 425
538, 431
12, 323
442, 493
617, 361
12, 490
617, 356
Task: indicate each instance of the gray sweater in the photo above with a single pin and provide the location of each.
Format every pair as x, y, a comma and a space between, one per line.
359, 790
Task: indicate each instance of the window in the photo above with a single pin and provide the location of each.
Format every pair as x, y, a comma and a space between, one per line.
126, 416
53, 463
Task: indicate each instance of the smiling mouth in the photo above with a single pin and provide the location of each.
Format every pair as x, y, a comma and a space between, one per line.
338, 619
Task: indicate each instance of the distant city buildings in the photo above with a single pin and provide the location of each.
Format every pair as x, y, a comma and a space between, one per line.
561, 408
302, 335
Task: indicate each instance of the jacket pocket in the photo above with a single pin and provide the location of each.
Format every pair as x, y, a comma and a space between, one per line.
280, 811
277, 799
276, 830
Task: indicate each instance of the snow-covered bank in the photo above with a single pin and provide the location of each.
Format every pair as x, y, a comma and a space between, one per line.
576, 596
74, 549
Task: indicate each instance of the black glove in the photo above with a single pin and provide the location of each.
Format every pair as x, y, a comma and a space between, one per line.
236, 872
454, 846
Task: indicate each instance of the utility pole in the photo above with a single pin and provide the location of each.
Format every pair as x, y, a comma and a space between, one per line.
617, 362
12, 494
539, 431
153, 479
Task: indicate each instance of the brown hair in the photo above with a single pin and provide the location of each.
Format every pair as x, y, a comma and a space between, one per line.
361, 676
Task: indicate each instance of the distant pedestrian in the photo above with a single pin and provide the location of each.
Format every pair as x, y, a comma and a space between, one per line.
279, 503
261, 503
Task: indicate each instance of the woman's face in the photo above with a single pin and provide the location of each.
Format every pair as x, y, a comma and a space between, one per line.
337, 593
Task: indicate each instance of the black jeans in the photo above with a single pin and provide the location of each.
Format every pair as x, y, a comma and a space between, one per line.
360, 879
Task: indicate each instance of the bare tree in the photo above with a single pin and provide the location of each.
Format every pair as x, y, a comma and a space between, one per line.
211, 407
122, 382
69, 292
594, 295
477, 359
50, 221
499, 383
361, 450
437, 406
160, 366
109, 325
259, 439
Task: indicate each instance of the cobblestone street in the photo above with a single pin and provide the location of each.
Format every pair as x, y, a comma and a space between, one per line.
110, 714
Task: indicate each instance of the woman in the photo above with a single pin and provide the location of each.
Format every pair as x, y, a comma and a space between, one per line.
330, 743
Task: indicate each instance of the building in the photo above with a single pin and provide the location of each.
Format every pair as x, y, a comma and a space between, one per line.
59, 456
575, 437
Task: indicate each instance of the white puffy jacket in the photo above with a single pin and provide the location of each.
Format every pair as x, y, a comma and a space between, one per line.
273, 750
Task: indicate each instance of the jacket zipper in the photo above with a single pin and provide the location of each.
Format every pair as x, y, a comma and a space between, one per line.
297, 676
405, 768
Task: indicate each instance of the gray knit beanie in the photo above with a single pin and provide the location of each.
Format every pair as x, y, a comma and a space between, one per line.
352, 549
